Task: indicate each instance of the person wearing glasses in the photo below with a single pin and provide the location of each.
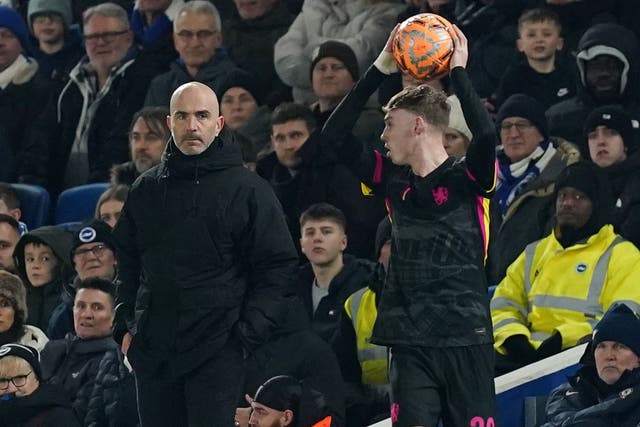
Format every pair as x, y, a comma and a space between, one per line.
529, 162
88, 363
197, 37
26, 400
85, 130
92, 255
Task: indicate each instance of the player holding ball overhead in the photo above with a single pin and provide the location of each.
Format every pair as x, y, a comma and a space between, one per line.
433, 311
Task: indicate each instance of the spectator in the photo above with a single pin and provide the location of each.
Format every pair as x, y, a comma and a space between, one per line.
283, 401
26, 399
439, 245
85, 132
192, 305
604, 392
540, 72
330, 276
197, 37
148, 136
10, 204
304, 170
152, 25
613, 146
110, 204
250, 35
334, 70
23, 94
529, 162
9, 236
241, 106
560, 286
364, 365
457, 136
92, 254
361, 24
42, 260
59, 47
89, 365
297, 351
608, 73
13, 314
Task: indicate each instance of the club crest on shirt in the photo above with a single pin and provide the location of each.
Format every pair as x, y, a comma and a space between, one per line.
581, 267
440, 195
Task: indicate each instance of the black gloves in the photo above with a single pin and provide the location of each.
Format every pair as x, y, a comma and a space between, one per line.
520, 350
550, 346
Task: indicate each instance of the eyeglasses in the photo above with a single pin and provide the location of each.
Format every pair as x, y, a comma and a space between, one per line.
107, 37
97, 251
520, 126
187, 35
41, 18
18, 381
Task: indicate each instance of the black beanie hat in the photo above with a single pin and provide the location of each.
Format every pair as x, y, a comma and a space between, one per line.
94, 230
29, 354
240, 78
280, 393
520, 105
340, 51
614, 117
619, 324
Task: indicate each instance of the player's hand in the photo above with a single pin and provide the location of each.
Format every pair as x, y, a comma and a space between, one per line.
460, 48
385, 62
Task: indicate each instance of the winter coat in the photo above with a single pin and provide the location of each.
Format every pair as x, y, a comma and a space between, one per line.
47, 406
550, 289
361, 24
355, 274
124, 173
625, 185
92, 372
530, 215
57, 66
212, 74
586, 401
566, 119
61, 320
435, 292
322, 177
203, 254
250, 45
548, 89
21, 103
42, 300
103, 124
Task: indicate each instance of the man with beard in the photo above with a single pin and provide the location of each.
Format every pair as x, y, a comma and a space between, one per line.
608, 74
561, 286
148, 136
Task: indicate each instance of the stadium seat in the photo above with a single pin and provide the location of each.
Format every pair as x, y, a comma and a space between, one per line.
78, 203
35, 204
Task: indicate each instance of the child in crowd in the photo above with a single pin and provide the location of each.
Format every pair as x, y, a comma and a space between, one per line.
540, 72
42, 261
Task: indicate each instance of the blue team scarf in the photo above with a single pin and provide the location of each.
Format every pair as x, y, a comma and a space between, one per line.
149, 34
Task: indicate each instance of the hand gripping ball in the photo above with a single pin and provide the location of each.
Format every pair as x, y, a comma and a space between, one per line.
422, 46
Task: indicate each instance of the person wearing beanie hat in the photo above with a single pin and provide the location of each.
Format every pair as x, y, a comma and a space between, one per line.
93, 250
606, 389
582, 259
239, 99
12, 22
13, 314
612, 136
28, 400
528, 164
50, 9
458, 136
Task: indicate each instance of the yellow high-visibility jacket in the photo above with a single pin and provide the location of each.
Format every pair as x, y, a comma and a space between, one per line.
361, 309
551, 289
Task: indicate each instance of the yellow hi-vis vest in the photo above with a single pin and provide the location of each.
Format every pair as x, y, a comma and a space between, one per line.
361, 309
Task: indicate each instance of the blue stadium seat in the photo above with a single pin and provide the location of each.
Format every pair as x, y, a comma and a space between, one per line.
78, 203
35, 204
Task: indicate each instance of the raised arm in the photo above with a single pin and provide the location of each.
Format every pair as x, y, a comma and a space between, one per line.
481, 155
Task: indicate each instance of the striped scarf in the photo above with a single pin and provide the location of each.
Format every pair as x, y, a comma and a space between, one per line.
513, 177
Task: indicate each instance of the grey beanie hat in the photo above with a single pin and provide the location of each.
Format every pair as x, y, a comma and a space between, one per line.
61, 7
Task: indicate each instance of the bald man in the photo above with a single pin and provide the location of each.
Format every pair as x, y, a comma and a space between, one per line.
203, 253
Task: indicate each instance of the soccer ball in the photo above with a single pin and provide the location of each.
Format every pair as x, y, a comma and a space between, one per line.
422, 46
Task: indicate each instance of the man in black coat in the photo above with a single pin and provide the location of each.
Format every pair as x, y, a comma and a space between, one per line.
204, 257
